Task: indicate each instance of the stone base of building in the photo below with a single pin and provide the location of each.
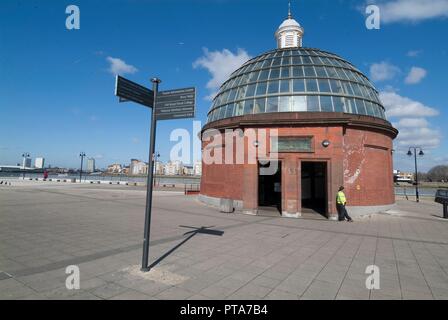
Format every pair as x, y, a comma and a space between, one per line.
353, 211
216, 202
358, 211
291, 215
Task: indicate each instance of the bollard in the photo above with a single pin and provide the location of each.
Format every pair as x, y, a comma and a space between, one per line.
445, 211
226, 205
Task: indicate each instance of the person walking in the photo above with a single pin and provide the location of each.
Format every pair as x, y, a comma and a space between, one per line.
341, 201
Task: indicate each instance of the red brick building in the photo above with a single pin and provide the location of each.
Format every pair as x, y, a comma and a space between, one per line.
324, 127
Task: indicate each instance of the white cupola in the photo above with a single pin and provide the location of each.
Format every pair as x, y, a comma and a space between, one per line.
290, 33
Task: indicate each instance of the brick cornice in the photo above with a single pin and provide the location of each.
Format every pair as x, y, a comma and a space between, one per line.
299, 119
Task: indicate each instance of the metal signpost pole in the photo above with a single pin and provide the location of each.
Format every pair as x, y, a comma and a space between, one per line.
149, 185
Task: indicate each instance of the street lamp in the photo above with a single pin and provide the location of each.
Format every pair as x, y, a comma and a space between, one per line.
156, 157
420, 153
82, 155
24, 156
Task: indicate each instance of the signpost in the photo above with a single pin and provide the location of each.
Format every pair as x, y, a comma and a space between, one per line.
166, 105
176, 104
131, 91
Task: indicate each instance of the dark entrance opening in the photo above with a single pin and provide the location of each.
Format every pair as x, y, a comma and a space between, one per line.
314, 187
270, 188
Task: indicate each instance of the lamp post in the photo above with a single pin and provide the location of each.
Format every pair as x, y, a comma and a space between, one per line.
24, 156
156, 157
82, 155
420, 153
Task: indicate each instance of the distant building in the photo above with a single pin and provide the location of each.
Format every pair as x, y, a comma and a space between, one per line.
173, 168
197, 168
26, 162
114, 168
403, 176
188, 170
39, 163
159, 168
90, 165
138, 167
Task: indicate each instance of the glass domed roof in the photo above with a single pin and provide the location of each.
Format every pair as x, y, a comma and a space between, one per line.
296, 80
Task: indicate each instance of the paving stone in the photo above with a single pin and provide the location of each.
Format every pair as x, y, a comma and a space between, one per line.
320, 290
108, 290
217, 292
132, 295
175, 293
254, 290
277, 294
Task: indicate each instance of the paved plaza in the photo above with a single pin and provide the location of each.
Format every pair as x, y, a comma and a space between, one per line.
200, 253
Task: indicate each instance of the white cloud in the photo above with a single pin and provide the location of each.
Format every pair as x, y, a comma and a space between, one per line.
383, 71
220, 64
412, 123
415, 75
413, 127
135, 140
441, 159
118, 66
412, 10
422, 136
413, 53
398, 106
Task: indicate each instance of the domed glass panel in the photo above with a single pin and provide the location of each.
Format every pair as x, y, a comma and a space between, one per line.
296, 80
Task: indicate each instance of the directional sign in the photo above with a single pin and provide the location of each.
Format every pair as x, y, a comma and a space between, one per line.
176, 104
172, 104
131, 91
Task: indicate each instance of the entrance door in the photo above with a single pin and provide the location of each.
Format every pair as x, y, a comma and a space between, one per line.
270, 188
314, 187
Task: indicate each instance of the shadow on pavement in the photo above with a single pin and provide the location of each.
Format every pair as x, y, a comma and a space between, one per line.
203, 230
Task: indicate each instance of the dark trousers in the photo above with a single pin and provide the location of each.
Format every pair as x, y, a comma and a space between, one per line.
342, 212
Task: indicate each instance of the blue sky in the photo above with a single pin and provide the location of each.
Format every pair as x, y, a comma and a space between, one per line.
56, 85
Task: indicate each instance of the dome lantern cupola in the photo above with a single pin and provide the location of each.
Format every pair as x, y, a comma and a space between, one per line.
290, 33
